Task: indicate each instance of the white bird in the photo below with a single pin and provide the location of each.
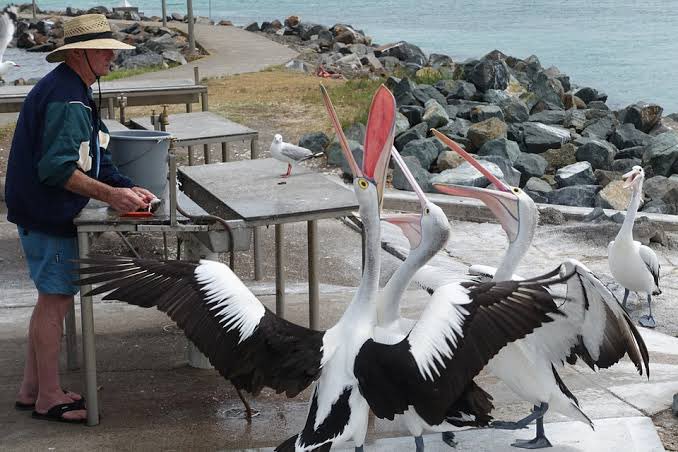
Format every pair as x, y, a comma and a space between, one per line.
633, 265
290, 153
596, 328
6, 35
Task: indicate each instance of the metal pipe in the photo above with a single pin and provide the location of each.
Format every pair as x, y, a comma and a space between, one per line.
71, 339
172, 162
191, 31
279, 271
88, 349
164, 13
313, 286
258, 273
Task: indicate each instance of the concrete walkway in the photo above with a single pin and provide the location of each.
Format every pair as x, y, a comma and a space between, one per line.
232, 51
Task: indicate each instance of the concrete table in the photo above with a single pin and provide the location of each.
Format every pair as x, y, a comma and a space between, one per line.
191, 129
136, 93
95, 218
114, 126
251, 190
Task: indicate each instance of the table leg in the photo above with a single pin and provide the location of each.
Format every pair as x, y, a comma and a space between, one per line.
71, 340
111, 108
313, 290
194, 251
88, 348
190, 156
224, 151
279, 272
258, 273
253, 148
206, 152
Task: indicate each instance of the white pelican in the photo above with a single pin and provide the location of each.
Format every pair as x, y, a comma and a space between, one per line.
596, 328
427, 233
290, 153
633, 265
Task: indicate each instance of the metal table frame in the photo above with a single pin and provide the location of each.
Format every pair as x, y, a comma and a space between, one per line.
86, 225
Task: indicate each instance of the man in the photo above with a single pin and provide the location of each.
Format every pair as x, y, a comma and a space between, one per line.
57, 162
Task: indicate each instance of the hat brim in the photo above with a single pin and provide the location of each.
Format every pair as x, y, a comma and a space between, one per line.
59, 54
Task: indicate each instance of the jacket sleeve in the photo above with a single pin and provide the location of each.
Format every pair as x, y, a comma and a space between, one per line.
108, 172
65, 142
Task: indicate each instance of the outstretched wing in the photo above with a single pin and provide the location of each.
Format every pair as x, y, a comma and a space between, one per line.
607, 332
6, 33
247, 343
460, 330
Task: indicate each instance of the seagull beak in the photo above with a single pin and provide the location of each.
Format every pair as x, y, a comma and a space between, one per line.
502, 200
379, 136
357, 172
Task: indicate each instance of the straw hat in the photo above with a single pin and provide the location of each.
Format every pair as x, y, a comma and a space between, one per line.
89, 31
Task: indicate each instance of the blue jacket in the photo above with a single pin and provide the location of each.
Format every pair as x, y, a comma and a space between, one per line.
56, 134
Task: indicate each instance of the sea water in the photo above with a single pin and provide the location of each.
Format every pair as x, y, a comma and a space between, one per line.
626, 48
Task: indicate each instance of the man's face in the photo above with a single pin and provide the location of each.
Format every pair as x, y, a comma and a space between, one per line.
100, 60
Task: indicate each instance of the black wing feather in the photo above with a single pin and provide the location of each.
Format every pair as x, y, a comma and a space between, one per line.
388, 375
279, 354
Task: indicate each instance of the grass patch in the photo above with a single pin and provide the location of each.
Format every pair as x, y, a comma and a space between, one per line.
124, 73
7, 132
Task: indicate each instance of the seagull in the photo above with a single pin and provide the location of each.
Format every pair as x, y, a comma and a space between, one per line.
290, 153
633, 265
595, 327
6, 35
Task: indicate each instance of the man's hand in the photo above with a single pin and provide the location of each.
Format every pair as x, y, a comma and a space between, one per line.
146, 195
126, 199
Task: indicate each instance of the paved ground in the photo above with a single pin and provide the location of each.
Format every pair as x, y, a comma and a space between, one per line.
232, 51
151, 400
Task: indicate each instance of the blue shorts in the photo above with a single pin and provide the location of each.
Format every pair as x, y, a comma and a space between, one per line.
50, 261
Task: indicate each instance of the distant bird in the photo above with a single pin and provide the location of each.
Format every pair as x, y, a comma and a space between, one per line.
290, 153
6, 35
633, 265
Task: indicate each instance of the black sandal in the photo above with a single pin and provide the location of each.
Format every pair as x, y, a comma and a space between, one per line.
20, 406
56, 413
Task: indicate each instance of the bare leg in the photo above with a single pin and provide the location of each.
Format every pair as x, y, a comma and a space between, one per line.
45, 333
418, 444
626, 296
540, 441
28, 391
647, 320
289, 170
448, 438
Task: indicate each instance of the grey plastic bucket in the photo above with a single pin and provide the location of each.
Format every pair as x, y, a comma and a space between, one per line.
141, 155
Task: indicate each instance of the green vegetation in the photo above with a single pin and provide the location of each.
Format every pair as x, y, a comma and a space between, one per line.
353, 97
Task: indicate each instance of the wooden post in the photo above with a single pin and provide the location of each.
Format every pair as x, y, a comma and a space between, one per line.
164, 13
191, 32
33, 9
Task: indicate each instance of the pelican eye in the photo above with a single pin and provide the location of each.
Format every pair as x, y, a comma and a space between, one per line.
362, 183
427, 211
516, 190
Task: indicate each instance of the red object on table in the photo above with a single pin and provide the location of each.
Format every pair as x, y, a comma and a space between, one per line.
143, 214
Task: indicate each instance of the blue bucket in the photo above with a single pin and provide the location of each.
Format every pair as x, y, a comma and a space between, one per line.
141, 155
